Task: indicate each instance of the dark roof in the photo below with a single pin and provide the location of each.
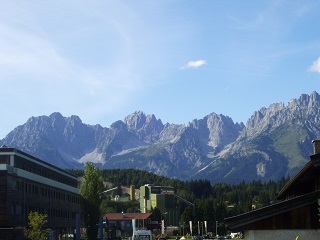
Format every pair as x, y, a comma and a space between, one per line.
311, 167
126, 216
271, 210
295, 178
299, 191
17, 151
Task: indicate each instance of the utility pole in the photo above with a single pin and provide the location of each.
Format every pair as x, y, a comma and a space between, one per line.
216, 228
202, 228
183, 228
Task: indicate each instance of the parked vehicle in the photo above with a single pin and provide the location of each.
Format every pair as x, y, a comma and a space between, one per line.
196, 237
142, 235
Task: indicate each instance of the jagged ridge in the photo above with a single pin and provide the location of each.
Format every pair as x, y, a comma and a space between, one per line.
275, 142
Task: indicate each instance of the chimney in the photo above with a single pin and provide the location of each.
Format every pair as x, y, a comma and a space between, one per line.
316, 146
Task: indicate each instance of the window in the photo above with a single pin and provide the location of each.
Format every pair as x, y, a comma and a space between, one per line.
4, 159
13, 184
16, 208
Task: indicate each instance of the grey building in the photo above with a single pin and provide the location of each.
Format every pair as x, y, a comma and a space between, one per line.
30, 184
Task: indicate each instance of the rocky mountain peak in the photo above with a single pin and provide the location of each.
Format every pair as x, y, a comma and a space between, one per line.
118, 125
261, 118
55, 115
135, 120
274, 143
277, 114
146, 127
216, 130
305, 101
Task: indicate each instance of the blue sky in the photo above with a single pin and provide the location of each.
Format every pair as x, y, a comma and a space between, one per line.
179, 60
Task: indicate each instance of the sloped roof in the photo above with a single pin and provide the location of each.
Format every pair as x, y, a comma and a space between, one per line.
310, 168
271, 210
126, 216
294, 179
298, 192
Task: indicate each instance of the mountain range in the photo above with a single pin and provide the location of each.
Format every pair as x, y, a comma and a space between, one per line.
274, 143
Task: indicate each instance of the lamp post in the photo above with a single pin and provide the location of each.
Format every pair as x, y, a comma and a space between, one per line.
216, 228
183, 228
137, 222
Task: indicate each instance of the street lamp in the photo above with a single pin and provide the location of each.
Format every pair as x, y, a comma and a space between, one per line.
183, 228
216, 228
137, 222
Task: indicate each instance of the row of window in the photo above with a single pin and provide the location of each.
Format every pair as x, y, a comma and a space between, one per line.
17, 209
22, 163
32, 167
42, 191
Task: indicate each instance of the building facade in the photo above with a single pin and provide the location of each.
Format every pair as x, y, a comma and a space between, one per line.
30, 184
163, 198
122, 225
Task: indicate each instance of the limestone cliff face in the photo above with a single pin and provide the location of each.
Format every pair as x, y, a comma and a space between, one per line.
303, 110
275, 142
145, 127
215, 131
55, 139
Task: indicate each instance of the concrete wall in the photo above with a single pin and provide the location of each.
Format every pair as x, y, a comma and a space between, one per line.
286, 234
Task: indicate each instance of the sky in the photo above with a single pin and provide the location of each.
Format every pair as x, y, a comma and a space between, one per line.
179, 60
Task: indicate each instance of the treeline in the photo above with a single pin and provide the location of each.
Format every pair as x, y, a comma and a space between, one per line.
225, 200
211, 202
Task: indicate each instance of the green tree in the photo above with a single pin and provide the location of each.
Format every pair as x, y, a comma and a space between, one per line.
90, 190
156, 214
188, 214
36, 230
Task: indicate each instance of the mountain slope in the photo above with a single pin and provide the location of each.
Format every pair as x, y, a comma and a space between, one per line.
275, 142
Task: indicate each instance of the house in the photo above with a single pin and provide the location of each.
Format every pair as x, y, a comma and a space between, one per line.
296, 213
122, 224
30, 184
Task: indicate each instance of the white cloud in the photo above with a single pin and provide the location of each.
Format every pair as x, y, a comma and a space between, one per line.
194, 64
315, 67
